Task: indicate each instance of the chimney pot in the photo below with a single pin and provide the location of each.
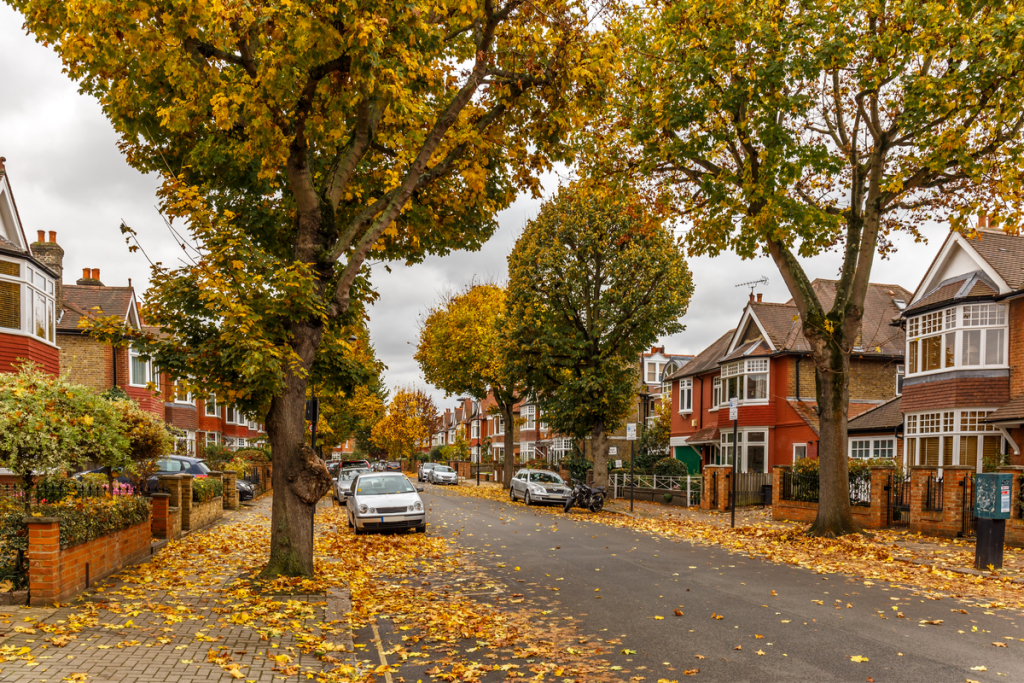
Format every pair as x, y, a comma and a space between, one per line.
53, 236
85, 273
752, 299
95, 273
40, 236
759, 297
2, 160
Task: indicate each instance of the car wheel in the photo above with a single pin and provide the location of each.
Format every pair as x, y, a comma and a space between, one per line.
512, 494
528, 500
349, 520
422, 529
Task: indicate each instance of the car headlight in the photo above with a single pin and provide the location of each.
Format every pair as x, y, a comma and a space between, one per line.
536, 488
363, 509
417, 506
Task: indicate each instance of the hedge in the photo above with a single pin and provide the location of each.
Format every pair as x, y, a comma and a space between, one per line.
206, 489
670, 467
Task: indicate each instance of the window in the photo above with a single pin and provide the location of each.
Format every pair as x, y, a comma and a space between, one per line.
654, 372
716, 392
860, 448
753, 454
954, 437
527, 451
140, 370
686, 395
211, 437
475, 429
499, 425
231, 415
937, 342
26, 300
900, 373
746, 380
529, 412
211, 406
799, 451
181, 394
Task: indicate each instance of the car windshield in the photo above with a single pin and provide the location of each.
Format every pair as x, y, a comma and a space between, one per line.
379, 486
443, 469
545, 478
346, 475
201, 466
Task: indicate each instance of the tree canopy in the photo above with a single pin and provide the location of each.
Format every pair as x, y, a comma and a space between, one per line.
795, 129
594, 280
407, 425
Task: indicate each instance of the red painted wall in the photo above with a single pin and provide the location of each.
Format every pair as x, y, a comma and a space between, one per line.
15, 347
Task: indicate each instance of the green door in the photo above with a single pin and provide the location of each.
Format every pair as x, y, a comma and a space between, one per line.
690, 457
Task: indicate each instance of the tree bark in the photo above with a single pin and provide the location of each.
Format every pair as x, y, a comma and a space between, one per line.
509, 467
835, 515
599, 449
300, 478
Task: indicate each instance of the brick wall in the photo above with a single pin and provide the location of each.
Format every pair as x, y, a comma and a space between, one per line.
58, 573
872, 379
85, 361
872, 516
1016, 351
948, 522
15, 347
961, 391
204, 514
722, 483
181, 416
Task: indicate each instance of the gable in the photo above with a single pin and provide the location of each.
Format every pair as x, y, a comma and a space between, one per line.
957, 257
11, 231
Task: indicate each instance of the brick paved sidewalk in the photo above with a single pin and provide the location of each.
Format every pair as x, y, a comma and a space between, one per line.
167, 620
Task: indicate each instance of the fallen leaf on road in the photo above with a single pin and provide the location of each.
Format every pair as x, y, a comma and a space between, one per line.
999, 644
738, 647
760, 652
678, 612
979, 668
659, 618
858, 658
691, 672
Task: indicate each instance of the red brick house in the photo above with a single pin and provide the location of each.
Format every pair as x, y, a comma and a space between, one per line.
764, 364
29, 288
963, 397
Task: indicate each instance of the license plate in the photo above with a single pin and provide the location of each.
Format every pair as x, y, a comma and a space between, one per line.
381, 520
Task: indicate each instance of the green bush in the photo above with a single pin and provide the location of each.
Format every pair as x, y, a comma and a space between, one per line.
667, 497
206, 489
670, 467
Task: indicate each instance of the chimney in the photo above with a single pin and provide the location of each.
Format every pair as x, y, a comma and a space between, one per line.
752, 299
51, 255
90, 277
982, 221
759, 297
40, 236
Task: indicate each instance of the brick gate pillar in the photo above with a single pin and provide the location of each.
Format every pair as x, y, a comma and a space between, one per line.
953, 492
880, 476
172, 484
725, 488
921, 521
161, 520
43, 559
230, 490
185, 489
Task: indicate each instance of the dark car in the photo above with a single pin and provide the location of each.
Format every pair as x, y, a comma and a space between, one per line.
393, 466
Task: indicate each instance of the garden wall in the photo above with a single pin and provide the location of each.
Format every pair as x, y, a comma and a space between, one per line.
871, 516
58, 573
204, 514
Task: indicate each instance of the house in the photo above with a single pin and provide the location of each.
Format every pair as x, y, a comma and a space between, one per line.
878, 432
29, 285
655, 365
763, 363
963, 396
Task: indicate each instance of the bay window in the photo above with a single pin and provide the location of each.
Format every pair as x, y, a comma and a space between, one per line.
686, 395
26, 300
971, 335
951, 437
654, 371
752, 450
746, 380
529, 412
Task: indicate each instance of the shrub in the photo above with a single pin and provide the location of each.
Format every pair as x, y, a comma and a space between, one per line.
206, 489
667, 497
215, 454
670, 467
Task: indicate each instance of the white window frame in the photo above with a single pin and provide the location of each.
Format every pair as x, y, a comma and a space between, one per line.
716, 393
499, 425
901, 374
177, 396
475, 429
211, 403
723, 455
33, 286
949, 426
530, 415
147, 368
743, 370
686, 396
212, 437
796, 455
951, 325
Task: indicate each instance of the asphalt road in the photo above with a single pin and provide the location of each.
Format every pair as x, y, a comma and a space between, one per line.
744, 619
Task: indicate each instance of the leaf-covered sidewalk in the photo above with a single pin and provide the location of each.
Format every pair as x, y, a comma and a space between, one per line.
941, 566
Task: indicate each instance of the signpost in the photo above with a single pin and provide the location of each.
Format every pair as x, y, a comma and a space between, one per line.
991, 509
631, 437
613, 450
734, 414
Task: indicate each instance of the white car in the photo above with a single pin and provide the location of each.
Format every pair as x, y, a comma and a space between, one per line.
538, 486
442, 474
343, 484
385, 501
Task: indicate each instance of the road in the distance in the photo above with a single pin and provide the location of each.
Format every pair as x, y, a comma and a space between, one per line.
617, 581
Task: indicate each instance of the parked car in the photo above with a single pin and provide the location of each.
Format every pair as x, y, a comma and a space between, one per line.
393, 466
246, 491
345, 464
442, 474
343, 483
385, 501
170, 464
538, 486
424, 470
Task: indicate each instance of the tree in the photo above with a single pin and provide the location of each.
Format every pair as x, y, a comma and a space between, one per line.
594, 280
462, 351
148, 439
796, 129
654, 441
407, 425
298, 139
48, 424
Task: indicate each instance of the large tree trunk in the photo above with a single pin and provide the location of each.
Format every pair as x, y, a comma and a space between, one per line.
835, 516
300, 478
509, 468
599, 449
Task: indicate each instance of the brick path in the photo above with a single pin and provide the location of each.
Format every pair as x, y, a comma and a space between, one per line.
165, 620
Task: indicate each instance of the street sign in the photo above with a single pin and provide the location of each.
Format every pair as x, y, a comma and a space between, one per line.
618, 464
734, 408
612, 450
631, 431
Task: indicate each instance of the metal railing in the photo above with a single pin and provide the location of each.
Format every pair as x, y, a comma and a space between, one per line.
687, 488
860, 490
799, 487
933, 493
55, 491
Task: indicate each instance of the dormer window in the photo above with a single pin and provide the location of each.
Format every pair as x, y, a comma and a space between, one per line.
26, 300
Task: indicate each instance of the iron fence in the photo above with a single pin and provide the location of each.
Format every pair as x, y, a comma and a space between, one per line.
969, 524
688, 488
860, 490
897, 508
54, 491
799, 487
933, 493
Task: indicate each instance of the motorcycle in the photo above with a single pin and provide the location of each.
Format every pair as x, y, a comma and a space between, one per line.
589, 497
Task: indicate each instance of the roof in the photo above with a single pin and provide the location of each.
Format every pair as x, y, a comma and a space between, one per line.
82, 300
885, 417
752, 349
1011, 412
706, 360
975, 284
1005, 253
706, 435
808, 411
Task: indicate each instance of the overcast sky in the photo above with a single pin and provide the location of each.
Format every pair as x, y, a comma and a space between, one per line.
67, 175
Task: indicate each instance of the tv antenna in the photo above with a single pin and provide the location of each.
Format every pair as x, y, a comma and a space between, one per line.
754, 283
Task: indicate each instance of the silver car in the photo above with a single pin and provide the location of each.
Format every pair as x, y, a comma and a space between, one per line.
424, 472
442, 474
538, 486
385, 501
343, 483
